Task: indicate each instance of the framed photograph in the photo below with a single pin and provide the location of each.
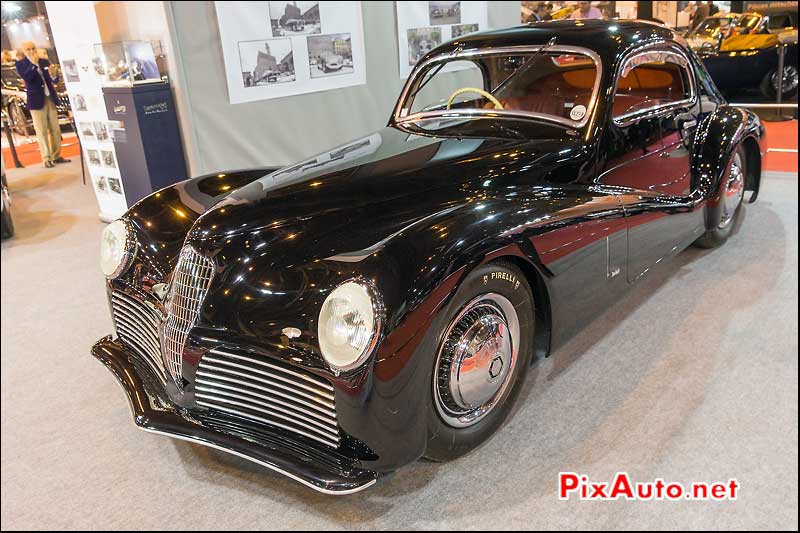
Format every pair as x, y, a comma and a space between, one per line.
115, 185
421, 41
443, 13
108, 159
94, 157
86, 130
265, 62
462, 29
102, 185
100, 131
330, 55
79, 102
294, 18
70, 70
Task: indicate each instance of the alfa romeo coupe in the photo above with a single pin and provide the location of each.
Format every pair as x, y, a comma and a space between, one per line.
340, 317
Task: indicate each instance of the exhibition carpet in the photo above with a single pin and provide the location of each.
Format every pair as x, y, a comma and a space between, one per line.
29, 155
781, 146
691, 377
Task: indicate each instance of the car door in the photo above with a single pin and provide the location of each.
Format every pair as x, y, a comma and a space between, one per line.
647, 148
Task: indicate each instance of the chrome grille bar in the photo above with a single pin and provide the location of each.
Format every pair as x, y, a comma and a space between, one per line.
137, 327
190, 281
268, 392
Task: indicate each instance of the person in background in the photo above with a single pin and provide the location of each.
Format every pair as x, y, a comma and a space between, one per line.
700, 14
542, 12
712, 8
41, 102
586, 11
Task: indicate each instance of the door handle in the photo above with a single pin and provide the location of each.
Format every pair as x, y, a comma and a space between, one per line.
664, 154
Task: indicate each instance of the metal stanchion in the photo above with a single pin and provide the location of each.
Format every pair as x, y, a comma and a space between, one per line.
781, 55
11, 145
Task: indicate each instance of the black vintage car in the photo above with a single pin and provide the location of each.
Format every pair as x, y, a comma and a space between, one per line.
15, 101
380, 302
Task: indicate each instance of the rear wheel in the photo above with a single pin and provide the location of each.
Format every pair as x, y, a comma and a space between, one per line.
482, 356
730, 203
769, 85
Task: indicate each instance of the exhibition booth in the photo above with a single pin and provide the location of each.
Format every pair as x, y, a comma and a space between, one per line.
362, 261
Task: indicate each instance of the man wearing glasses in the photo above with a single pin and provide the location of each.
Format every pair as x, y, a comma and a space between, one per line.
41, 102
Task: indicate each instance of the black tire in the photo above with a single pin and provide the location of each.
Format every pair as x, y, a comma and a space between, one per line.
501, 280
726, 219
17, 119
770, 91
6, 223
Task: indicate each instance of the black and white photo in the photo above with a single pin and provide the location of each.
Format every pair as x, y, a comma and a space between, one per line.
421, 41
115, 185
266, 61
86, 130
102, 185
100, 131
108, 159
330, 55
462, 29
94, 157
70, 70
294, 18
444, 13
79, 102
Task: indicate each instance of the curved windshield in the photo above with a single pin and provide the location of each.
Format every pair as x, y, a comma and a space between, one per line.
541, 83
711, 27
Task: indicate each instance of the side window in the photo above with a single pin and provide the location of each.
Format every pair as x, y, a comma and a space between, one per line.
648, 83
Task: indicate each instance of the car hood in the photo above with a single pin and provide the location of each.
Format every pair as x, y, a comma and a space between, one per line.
355, 195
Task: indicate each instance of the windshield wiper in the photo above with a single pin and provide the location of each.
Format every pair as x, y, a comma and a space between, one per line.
525, 66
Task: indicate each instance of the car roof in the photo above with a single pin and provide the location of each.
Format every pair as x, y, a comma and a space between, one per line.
608, 38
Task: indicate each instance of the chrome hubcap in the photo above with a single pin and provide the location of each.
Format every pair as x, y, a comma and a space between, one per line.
789, 79
734, 192
476, 360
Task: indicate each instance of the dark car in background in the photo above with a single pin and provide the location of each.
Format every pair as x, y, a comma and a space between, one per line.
15, 101
382, 301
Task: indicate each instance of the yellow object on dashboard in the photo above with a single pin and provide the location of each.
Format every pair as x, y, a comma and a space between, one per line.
749, 42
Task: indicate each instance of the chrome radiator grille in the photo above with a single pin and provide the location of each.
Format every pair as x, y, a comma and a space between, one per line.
268, 392
188, 288
137, 327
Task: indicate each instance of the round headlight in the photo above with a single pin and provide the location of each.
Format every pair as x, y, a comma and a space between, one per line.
349, 325
116, 249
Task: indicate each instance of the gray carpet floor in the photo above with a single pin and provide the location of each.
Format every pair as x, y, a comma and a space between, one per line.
691, 377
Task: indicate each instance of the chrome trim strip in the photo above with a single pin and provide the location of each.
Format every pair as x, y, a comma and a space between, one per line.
652, 50
157, 371
317, 381
399, 117
136, 306
304, 424
327, 442
262, 463
327, 418
328, 410
319, 398
129, 330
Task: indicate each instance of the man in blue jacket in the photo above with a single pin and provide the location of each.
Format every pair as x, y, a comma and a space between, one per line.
42, 100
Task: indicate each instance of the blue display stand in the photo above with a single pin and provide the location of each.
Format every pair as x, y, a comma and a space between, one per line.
148, 142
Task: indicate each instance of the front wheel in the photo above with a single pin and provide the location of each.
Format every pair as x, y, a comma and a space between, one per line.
482, 356
730, 203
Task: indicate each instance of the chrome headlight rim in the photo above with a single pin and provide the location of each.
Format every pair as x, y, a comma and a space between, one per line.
130, 248
378, 317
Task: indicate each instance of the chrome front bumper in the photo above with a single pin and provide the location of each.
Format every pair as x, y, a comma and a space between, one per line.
321, 471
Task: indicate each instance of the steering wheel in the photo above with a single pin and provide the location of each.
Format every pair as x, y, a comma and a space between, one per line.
488, 96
